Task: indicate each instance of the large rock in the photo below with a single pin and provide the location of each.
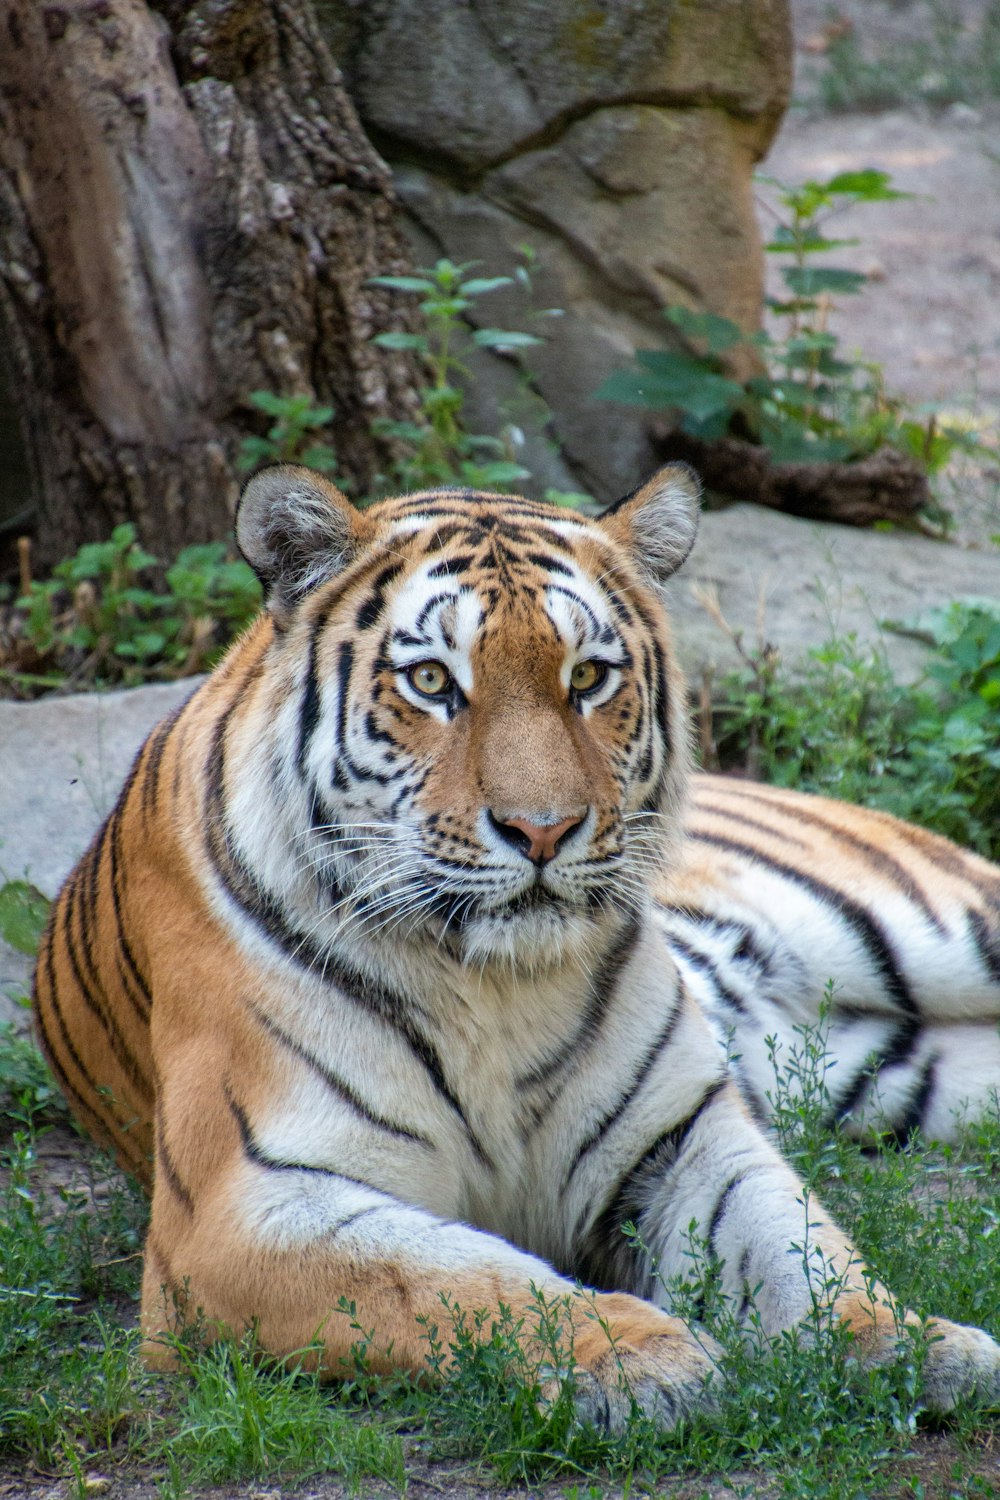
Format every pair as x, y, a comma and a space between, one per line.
62, 764
793, 585
617, 143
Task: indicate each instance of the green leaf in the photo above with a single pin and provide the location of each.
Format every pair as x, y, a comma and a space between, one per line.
444, 307
403, 283
808, 281
269, 402
803, 242
670, 380
867, 187
496, 473
568, 499
320, 456
497, 338
400, 340
718, 334
479, 285
23, 914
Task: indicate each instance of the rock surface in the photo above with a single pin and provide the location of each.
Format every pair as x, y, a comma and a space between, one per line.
62, 763
616, 143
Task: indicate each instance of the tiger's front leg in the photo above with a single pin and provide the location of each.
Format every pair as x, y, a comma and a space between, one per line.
778, 1253
241, 1236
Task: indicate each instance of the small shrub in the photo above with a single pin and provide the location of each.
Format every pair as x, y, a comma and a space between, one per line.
845, 728
436, 449
807, 403
290, 438
111, 615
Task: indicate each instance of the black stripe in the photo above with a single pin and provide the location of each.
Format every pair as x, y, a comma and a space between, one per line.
705, 965
309, 706
987, 941
332, 1081
869, 931
746, 821
373, 605
913, 1117
653, 1053
137, 978
91, 997
84, 1104
102, 846
896, 1053
253, 1152
345, 661
602, 987
450, 567
152, 756
720, 1210
166, 1162
605, 1254
886, 864
549, 564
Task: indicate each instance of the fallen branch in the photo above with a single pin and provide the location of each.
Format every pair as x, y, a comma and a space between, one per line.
885, 486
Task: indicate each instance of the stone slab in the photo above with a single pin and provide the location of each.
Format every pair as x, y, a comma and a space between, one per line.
62, 763
795, 584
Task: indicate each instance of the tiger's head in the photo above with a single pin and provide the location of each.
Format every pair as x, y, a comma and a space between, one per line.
479, 737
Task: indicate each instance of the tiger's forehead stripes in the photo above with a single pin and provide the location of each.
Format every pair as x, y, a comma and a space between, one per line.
494, 573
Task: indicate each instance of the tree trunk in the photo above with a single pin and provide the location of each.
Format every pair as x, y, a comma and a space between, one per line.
189, 211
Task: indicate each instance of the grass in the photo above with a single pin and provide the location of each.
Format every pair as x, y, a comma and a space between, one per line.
799, 1418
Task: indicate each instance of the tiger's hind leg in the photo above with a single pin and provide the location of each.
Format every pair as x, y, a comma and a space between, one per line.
804, 925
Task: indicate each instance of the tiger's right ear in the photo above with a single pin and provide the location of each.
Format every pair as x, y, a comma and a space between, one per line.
296, 530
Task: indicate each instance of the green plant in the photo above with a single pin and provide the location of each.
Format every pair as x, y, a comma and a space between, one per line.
440, 451
100, 620
845, 728
807, 402
66, 1371
241, 1415
288, 439
945, 53
27, 1088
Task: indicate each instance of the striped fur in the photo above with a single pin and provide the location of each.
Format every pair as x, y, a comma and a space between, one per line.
392, 973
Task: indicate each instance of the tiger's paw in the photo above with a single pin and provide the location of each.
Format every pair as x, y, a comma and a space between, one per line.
961, 1364
630, 1354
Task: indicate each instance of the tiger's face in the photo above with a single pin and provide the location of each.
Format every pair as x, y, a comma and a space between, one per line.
489, 744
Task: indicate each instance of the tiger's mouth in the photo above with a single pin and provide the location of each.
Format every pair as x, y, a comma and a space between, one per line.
535, 901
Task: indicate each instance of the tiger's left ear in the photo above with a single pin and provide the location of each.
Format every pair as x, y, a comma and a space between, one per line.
658, 522
296, 530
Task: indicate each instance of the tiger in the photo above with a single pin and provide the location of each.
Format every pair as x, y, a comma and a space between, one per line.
414, 961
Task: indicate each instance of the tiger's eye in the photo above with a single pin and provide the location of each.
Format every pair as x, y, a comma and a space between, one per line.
430, 678
587, 675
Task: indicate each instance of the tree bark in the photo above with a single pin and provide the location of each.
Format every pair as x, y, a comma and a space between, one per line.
189, 211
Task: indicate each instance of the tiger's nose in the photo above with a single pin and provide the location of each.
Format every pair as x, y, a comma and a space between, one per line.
536, 841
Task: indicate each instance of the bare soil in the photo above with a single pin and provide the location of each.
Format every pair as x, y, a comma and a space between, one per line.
930, 313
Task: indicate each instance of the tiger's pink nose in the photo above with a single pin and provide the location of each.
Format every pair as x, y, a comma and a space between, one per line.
536, 841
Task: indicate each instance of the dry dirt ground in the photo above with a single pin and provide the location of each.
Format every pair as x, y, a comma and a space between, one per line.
930, 313
931, 316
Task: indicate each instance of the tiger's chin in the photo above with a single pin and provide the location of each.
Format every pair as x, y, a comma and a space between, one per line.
533, 932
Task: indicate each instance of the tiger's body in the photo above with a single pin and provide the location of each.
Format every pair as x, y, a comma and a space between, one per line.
391, 973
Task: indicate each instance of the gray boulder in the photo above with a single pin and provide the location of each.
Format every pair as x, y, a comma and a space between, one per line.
616, 143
